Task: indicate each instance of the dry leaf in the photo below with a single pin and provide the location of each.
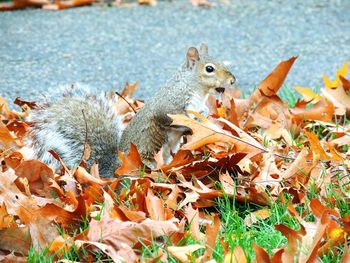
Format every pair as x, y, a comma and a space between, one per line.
183, 254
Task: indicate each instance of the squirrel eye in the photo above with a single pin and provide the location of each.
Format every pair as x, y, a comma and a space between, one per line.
209, 69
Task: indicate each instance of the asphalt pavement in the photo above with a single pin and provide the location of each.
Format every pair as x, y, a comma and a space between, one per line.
106, 46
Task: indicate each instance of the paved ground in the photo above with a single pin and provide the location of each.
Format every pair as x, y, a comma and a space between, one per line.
105, 47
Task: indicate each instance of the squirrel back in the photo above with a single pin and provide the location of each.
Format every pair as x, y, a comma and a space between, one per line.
76, 118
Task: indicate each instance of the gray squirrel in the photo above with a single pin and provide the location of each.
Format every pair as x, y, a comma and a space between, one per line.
82, 117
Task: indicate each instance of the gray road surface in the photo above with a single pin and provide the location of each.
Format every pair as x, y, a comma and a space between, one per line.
105, 47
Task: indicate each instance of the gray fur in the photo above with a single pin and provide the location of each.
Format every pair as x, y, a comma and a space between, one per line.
61, 126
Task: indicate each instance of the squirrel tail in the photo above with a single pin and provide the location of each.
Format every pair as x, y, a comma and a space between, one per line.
74, 118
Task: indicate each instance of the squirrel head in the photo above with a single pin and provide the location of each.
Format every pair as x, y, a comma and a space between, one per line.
212, 74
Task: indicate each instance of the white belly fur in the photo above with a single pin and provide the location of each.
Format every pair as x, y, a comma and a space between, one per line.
198, 104
175, 138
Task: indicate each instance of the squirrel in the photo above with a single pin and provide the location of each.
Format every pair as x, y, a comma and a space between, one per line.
188, 89
80, 117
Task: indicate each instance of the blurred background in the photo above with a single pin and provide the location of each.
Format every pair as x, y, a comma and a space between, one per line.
105, 46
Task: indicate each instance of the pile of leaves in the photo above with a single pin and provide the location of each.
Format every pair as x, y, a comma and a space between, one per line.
255, 151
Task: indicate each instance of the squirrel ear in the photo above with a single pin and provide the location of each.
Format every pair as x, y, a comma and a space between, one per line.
203, 49
192, 57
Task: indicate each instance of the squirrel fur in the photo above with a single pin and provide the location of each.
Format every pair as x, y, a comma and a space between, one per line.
80, 117
77, 117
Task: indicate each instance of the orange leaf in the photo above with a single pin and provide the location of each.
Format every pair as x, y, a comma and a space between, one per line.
147, 2
129, 89
203, 3
6, 220
39, 177
323, 110
6, 137
255, 216
272, 83
211, 235
183, 254
155, 206
261, 255
292, 236
131, 164
317, 149
192, 216
237, 256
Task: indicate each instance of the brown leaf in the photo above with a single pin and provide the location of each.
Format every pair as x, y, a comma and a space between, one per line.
39, 177
293, 236
339, 98
131, 164
23, 103
183, 254
15, 239
155, 206
61, 245
255, 216
261, 255
6, 137
211, 235
315, 145
192, 216
227, 183
323, 110
272, 83
270, 111
122, 236
181, 158
206, 132
237, 256
172, 197
299, 170
84, 177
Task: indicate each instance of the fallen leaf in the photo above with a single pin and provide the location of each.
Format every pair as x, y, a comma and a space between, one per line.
342, 72
255, 216
192, 216
237, 256
272, 83
184, 254
131, 164
308, 94
261, 255
211, 236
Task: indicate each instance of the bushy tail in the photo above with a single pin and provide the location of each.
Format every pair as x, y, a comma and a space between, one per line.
78, 115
